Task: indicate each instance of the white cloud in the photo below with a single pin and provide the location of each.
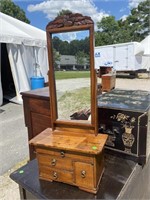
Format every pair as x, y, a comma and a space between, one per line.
72, 35
122, 10
52, 7
67, 36
124, 17
134, 3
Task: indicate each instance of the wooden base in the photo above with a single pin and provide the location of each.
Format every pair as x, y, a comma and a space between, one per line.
93, 190
71, 159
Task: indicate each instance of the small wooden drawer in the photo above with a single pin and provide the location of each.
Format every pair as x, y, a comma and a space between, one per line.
84, 175
55, 162
54, 152
48, 173
40, 106
66, 154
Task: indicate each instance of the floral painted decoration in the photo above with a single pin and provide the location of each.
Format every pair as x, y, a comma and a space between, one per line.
125, 120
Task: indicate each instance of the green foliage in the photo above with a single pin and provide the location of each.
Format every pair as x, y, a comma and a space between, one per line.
64, 12
139, 21
109, 33
109, 30
108, 24
80, 57
71, 48
57, 57
9, 8
134, 28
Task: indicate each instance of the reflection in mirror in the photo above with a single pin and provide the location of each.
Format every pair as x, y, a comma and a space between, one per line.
71, 59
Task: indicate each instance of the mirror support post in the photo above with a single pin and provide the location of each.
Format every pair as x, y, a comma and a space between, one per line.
51, 77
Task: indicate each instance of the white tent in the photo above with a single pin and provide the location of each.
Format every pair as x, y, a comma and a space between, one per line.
26, 46
146, 55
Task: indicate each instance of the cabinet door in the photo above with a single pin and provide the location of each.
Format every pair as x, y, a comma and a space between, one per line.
84, 175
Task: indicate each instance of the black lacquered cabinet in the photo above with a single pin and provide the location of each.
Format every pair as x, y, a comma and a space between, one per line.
124, 116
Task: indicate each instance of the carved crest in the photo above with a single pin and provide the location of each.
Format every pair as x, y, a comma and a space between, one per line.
70, 19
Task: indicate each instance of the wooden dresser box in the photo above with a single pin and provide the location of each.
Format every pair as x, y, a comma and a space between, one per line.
37, 115
68, 158
104, 70
108, 82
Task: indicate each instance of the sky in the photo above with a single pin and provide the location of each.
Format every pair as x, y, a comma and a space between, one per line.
40, 12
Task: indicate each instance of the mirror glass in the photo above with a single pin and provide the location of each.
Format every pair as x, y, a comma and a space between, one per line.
71, 60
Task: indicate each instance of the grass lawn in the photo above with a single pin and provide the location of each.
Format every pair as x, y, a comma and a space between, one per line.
71, 74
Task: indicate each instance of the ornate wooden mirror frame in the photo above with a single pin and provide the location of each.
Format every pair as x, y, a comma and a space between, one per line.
69, 23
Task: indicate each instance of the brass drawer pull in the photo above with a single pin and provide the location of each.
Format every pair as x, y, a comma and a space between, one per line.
62, 153
55, 175
53, 162
83, 173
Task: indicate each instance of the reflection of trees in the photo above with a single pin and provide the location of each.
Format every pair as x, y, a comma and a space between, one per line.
71, 48
79, 49
57, 58
81, 58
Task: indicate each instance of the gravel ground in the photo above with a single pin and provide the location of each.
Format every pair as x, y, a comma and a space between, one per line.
133, 84
121, 83
13, 133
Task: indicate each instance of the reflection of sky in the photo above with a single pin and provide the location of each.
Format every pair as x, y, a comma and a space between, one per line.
69, 36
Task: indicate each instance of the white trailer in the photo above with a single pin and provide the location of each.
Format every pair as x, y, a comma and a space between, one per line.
122, 57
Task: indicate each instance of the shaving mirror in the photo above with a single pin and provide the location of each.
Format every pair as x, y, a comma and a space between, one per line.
62, 34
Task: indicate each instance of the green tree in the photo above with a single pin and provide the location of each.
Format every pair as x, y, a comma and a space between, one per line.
108, 24
139, 21
84, 45
64, 48
134, 28
64, 12
81, 57
107, 34
71, 48
125, 33
56, 43
9, 8
57, 58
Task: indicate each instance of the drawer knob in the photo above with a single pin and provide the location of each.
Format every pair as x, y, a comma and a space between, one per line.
53, 162
55, 175
83, 173
62, 153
